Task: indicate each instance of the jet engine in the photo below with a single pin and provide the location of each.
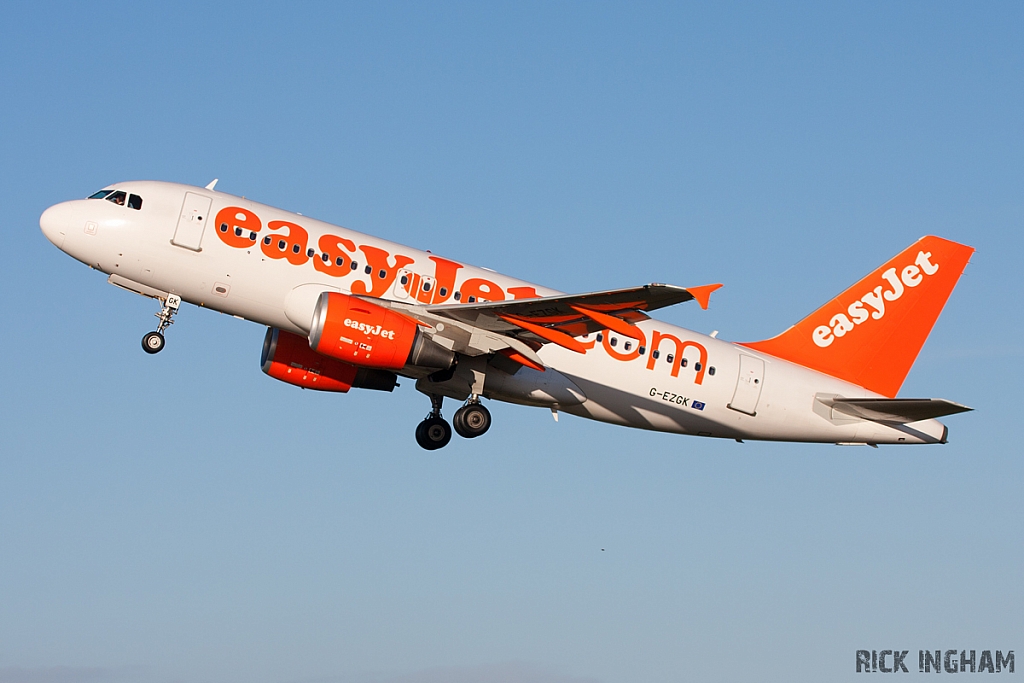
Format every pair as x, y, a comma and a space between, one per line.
371, 336
287, 357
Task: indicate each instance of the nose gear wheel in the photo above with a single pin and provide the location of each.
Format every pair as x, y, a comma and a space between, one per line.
153, 342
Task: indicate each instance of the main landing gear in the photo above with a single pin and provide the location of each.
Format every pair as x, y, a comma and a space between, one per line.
471, 421
434, 432
153, 342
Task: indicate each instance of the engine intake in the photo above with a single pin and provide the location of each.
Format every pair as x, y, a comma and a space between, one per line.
371, 336
287, 357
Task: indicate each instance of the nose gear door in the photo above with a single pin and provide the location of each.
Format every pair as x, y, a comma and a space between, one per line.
748, 385
195, 214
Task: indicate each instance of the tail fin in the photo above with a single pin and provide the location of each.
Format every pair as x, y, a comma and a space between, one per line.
871, 334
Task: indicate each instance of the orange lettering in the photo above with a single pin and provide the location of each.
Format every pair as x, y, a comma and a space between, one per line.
635, 353
413, 284
481, 290
235, 225
588, 344
680, 347
339, 259
444, 274
382, 275
291, 245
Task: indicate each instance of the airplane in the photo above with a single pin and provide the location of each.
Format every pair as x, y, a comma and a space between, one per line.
346, 310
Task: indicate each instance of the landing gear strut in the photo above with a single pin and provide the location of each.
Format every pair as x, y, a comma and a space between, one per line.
472, 419
434, 432
153, 342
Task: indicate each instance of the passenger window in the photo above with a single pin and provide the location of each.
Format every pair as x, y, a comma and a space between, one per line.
444, 291
355, 265
382, 273
296, 248
641, 350
472, 299
266, 240
117, 197
696, 366
671, 357
627, 345
309, 252
368, 270
282, 245
683, 363
426, 285
655, 353
711, 370
102, 194
134, 202
339, 261
457, 296
614, 341
324, 257
405, 280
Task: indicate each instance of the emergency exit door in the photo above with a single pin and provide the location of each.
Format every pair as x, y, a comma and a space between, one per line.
748, 385
195, 214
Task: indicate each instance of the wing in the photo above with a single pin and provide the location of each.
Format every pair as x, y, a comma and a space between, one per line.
522, 326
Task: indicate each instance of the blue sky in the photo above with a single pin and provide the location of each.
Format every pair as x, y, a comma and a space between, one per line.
183, 517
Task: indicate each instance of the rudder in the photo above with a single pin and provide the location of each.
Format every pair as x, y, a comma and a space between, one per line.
871, 334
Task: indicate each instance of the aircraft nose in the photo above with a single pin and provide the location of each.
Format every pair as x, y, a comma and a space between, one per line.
54, 223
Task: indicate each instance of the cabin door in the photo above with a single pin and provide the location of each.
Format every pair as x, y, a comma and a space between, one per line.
748, 385
195, 214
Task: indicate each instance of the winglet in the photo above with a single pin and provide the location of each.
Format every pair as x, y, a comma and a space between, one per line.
703, 294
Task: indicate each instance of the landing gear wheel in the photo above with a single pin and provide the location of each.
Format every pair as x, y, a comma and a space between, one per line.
153, 342
433, 433
472, 420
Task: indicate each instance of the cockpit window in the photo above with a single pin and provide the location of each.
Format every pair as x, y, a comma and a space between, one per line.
119, 197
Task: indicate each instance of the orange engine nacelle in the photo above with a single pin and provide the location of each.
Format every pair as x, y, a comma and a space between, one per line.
371, 336
287, 357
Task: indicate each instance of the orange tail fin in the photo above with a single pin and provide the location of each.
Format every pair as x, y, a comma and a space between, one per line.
871, 334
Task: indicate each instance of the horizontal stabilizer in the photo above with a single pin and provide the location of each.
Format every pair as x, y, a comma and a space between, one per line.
901, 410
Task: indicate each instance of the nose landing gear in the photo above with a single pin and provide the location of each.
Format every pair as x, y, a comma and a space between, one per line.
153, 342
434, 432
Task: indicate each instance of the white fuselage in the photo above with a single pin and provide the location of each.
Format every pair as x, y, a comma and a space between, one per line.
680, 381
